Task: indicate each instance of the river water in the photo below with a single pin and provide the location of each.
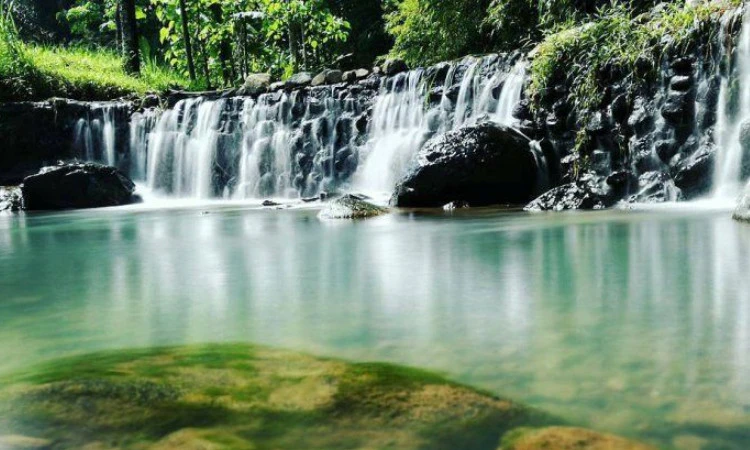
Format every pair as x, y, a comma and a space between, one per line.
636, 322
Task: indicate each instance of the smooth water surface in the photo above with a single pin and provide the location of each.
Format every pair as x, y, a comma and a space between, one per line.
633, 322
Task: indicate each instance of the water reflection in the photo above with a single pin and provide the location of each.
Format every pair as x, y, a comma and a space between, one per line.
621, 320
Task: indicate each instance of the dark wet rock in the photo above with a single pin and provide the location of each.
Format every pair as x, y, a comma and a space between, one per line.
150, 101
394, 66
655, 187
351, 207
682, 66
327, 76
642, 117
256, 83
742, 211
621, 180
484, 164
299, 80
619, 109
681, 82
76, 185
270, 203
679, 109
583, 194
666, 149
693, 175
349, 76
456, 205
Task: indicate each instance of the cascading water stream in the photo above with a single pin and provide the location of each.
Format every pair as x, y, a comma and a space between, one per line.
304, 142
733, 121
94, 135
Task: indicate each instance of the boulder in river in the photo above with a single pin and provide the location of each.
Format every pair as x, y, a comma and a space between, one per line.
76, 185
484, 164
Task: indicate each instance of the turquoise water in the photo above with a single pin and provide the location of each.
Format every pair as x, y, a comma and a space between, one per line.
633, 322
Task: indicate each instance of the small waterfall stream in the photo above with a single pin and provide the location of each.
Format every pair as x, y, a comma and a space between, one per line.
733, 121
94, 135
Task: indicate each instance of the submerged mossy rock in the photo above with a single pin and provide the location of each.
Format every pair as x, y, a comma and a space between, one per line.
246, 397
566, 438
76, 185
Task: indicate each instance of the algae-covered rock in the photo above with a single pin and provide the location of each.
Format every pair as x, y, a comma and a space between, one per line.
566, 438
244, 397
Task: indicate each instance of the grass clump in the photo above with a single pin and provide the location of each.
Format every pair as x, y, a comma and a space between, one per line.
617, 45
35, 72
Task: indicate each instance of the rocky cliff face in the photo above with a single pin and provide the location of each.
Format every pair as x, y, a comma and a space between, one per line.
653, 144
37, 134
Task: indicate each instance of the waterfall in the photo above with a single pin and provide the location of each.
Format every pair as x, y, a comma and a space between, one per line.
141, 125
732, 133
95, 135
303, 142
399, 125
402, 123
511, 94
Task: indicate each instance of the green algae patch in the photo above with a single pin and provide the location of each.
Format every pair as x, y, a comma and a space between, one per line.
566, 438
249, 397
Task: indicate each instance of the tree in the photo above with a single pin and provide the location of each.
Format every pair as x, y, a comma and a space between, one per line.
186, 39
129, 29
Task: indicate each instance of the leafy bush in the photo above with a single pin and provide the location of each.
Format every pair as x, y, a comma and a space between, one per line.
428, 31
616, 41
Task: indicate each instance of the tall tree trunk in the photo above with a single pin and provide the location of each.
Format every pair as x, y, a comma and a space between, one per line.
118, 29
186, 39
225, 47
129, 36
295, 44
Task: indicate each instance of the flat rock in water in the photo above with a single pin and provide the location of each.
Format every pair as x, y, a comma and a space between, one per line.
351, 207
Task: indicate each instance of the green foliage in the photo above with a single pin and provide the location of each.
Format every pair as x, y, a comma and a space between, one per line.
617, 43
256, 45
81, 73
428, 31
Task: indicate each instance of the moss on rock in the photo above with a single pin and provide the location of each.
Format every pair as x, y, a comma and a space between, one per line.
566, 438
248, 397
